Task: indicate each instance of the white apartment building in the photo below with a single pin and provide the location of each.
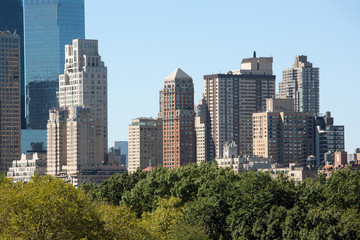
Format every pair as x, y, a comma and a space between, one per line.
30, 164
84, 82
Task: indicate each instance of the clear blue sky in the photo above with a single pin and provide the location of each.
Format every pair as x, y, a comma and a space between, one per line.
141, 42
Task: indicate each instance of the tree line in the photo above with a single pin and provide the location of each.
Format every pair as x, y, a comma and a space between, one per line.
191, 202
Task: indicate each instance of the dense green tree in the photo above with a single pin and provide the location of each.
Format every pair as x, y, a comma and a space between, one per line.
113, 188
46, 208
160, 222
121, 223
191, 202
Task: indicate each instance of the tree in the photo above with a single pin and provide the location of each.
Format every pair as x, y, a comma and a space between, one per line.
46, 208
160, 222
121, 223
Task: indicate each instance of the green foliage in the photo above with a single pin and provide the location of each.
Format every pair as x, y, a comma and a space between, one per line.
191, 202
121, 223
46, 208
113, 189
160, 222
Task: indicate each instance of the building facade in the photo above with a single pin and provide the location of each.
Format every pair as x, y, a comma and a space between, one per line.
10, 106
177, 113
11, 19
56, 141
301, 83
84, 82
123, 146
42, 94
202, 131
75, 149
286, 137
232, 98
49, 26
145, 143
28, 166
328, 137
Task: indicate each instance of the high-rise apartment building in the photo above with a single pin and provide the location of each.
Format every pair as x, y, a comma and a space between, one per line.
145, 143
74, 144
84, 82
233, 97
11, 19
177, 112
301, 83
202, 131
49, 26
286, 137
10, 116
328, 137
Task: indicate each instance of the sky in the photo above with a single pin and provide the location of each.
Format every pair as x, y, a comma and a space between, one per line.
142, 42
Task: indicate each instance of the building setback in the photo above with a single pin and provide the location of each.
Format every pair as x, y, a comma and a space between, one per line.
28, 166
10, 114
84, 82
301, 83
145, 143
177, 112
232, 98
49, 26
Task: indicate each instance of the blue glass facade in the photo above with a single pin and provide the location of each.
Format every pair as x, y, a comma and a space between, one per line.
49, 26
11, 19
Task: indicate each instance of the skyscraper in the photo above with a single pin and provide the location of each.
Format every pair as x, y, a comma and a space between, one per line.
84, 82
11, 19
49, 26
301, 83
145, 143
233, 97
10, 115
177, 112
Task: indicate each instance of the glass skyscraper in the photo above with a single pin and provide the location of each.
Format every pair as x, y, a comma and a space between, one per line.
11, 19
49, 26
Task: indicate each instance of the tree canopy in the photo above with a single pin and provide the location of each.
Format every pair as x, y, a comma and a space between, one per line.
191, 202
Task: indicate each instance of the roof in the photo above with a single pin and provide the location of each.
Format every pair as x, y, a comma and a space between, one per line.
178, 74
148, 169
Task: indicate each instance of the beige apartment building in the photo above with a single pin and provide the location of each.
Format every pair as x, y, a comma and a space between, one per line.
145, 143
84, 82
286, 137
75, 146
301, 83
74, 140
202, 132
10, 116
232, 98
57, 141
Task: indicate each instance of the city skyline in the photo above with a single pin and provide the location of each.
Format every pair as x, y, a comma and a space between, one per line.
154, 38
